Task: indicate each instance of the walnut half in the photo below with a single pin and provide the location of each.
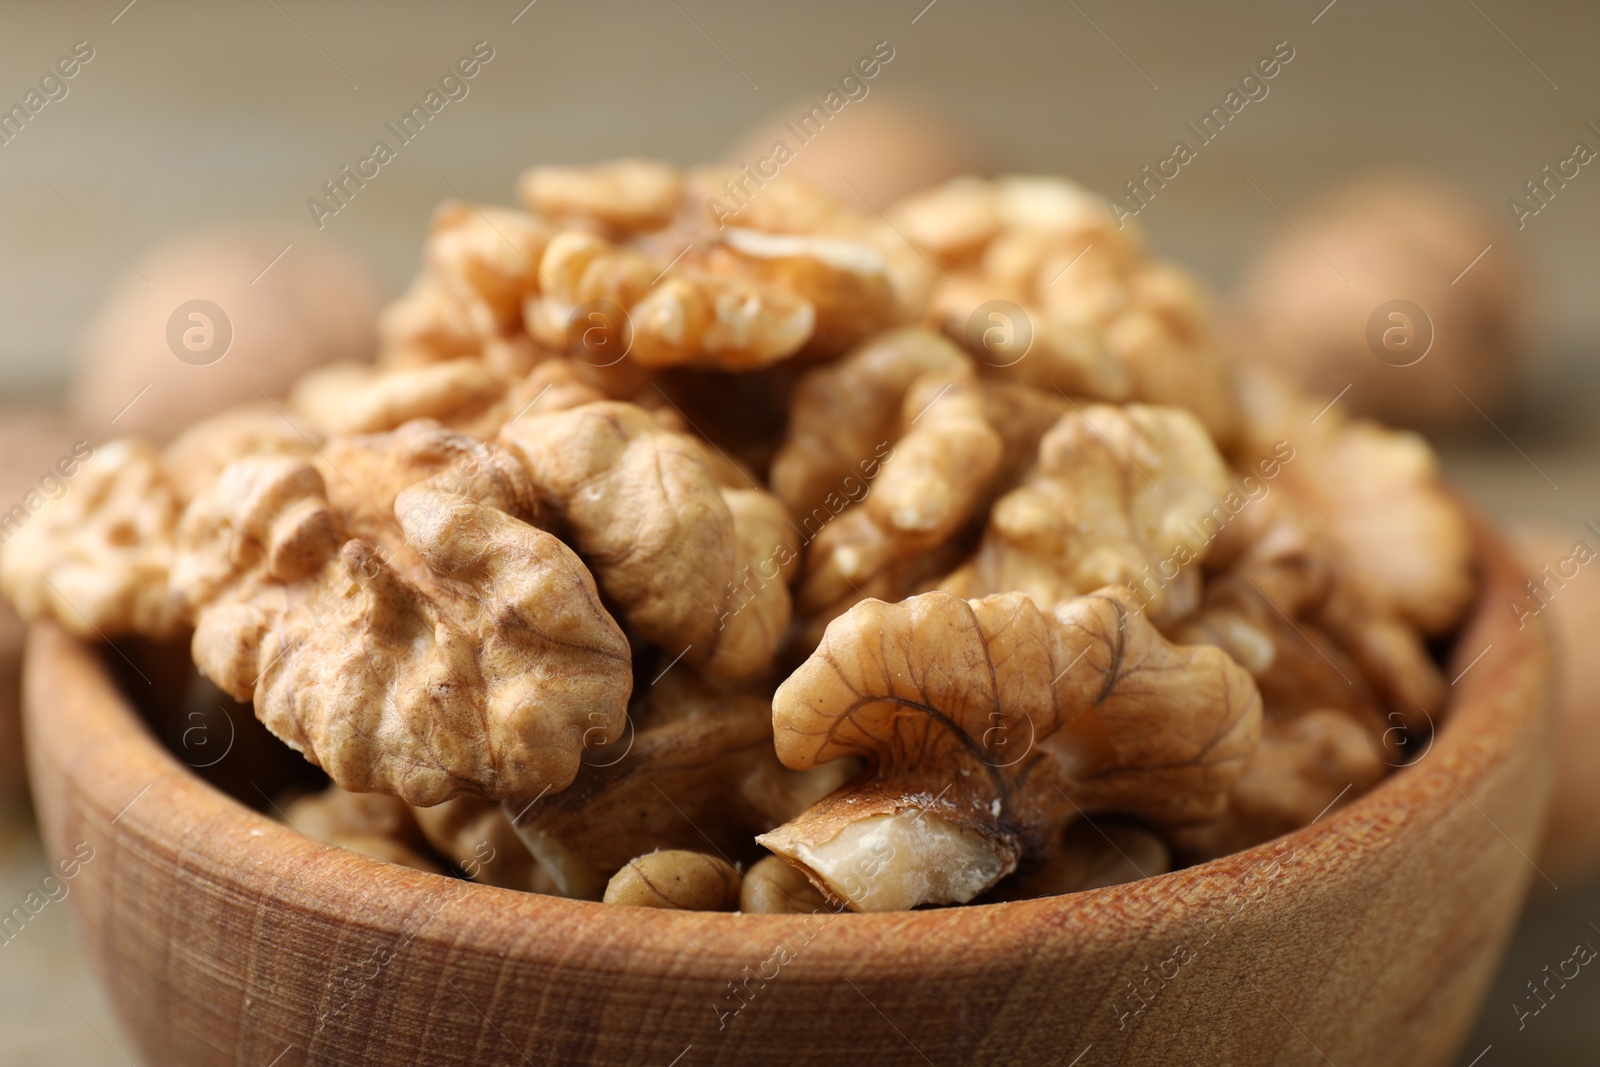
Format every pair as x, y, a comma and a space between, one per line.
990, 726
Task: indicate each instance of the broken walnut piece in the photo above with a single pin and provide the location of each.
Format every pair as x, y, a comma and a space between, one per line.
97, 557
1305, 766
679, 880
198, 455
1120, 495
374, 825
990, 726
489, 258
624, 195
773, 887
396, 619
477, 837
845, 416
695, 567
695, 766
352, 398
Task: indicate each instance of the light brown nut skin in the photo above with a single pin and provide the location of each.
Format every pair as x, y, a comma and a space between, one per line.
990, 726
846, 282
845, 415
698, 765
376, 826
1139, 484
345, 398
1381, 497
625, 195
682, 881
97, 559
489, 258
1400, 544
476, 836
395, 622
1106, 323
774, 887
431, 321
1304, 765
663, 538
199, 455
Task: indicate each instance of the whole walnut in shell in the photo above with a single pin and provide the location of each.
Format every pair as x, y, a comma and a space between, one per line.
1456, 341
313, 306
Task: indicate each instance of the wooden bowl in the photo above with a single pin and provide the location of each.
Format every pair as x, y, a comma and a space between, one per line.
1368, 937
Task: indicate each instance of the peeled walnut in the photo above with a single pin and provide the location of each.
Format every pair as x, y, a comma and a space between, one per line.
376, 826
1402, 548
847, 283
1043, 261
773, 887
624, 195
684, 881
697, 767
990, 726
1306, 766
348, 398
678, 553
1455, 347
97, 558
1138, 484
489, 258
202, 452
845, 415
476, 836
397, 620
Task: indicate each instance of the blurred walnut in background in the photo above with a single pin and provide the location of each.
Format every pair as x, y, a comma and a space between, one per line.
279, 318
1399, 286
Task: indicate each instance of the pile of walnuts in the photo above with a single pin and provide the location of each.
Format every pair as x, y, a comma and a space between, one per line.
819, 558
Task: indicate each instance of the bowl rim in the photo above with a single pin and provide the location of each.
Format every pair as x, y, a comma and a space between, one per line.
126, 785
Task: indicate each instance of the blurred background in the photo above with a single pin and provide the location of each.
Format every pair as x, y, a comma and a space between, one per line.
182, 119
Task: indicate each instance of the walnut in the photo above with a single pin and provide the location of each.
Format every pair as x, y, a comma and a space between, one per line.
846, 282
773, 887
1104, 322
937, 479
1139, 483
97, 557
431, 321
685, 881
1304, 766
676, 551
476, 836
347, 398
1403, 549
844, 416
687, 316
625, 195
991, 726
199, 455
697, 767
376, 826
397, 620
488, 259
1452, 350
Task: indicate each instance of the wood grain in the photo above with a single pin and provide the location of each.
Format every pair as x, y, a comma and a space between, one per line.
1367, 938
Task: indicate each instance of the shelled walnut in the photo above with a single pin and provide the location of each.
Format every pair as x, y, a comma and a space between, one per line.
658, 535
